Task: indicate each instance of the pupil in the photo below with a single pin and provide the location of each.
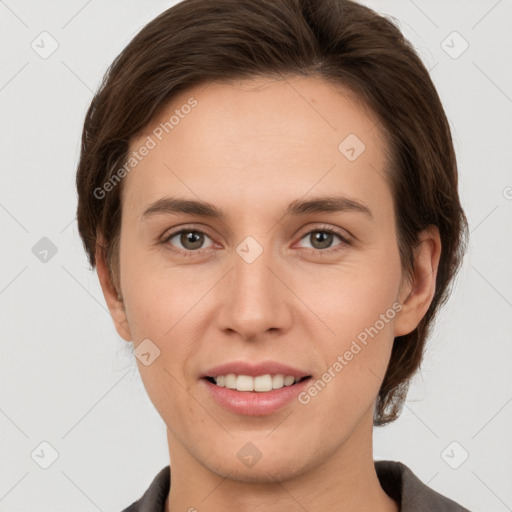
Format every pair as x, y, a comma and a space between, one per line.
324, 239
191, 240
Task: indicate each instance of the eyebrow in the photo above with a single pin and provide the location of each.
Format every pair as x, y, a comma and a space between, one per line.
325, 204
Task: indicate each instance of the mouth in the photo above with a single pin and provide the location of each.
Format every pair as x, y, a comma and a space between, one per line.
258, 384
248, 390
254, 389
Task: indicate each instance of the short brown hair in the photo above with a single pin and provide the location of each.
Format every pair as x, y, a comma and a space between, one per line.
197, 41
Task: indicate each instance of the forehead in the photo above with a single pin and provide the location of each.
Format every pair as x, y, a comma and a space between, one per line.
257, 141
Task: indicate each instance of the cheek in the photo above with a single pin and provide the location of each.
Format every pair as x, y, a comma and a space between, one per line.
160, 299
351, 298
357, 307
164, 305
355, 357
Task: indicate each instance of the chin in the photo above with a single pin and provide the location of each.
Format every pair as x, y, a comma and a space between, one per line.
267, 462
263, 472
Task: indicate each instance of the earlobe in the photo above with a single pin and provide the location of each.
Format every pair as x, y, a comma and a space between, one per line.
417, 295
113, 299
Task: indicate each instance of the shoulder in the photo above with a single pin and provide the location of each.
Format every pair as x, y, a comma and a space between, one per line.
410, 492
153, 500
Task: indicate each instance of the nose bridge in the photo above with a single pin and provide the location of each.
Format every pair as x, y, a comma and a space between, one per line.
254, 297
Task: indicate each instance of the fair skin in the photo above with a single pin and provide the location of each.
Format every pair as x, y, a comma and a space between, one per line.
250, 149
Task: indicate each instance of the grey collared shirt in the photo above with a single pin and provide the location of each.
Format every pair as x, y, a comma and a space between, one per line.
396, 479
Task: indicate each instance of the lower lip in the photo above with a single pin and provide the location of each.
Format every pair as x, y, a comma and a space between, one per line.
254, 403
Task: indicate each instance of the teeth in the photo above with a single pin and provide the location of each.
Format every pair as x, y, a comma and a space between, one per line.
261, 383
277, 381
288, 381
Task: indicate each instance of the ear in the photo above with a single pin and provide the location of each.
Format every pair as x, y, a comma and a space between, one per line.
114, 301
416, 296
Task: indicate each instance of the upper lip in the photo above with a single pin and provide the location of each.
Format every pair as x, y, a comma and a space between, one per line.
253, 370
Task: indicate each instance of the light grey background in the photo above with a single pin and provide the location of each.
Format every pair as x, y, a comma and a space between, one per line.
67, 379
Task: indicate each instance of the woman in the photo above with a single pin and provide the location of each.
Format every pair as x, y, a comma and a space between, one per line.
269, 193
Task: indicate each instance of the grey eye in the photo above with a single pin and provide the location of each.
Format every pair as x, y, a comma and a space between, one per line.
321, 239
190, 240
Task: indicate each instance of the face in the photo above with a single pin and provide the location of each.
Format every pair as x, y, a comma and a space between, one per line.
280, 282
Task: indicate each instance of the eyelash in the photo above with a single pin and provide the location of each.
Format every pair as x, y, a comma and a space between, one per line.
321, 229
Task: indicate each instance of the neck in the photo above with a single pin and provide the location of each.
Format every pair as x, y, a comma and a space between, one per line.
346, 481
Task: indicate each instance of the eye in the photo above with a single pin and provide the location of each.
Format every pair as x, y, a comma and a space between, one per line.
188, 242
322, 239
191, 240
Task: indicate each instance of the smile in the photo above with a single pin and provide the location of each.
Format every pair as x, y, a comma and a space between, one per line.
260, 383
254, 403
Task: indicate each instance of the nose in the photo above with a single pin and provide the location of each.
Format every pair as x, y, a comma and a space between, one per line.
255, 301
